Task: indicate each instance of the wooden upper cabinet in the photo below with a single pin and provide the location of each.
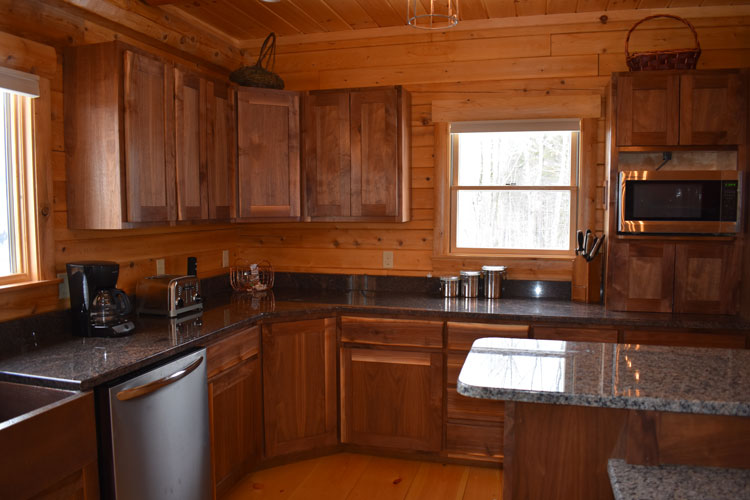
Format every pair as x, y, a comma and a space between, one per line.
146, 142
683, 108
220, 150
641, 277
357, 154
149, 161
327, 155
647, 109
712, 108
190, 145
119, 140
707, 278
268, 166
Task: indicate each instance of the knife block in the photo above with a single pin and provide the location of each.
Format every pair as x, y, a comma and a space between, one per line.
587, 280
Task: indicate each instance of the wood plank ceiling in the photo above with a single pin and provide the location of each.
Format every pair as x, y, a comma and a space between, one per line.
253, 19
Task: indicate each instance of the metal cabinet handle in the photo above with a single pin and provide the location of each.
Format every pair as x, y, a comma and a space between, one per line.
145, 389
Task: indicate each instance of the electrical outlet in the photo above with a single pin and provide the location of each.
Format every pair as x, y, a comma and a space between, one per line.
225, 258
63, 291
387, 260
160, 266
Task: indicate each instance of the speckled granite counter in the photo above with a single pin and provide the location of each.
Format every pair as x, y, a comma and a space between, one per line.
670, 482
82, 363
682, 380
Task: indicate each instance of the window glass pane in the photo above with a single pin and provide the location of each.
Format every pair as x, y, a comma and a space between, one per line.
7, 257
523, 219
514, 159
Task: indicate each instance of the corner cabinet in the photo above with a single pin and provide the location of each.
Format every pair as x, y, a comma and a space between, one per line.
268, 162
299, 386
356, 151
685, 108
139, 150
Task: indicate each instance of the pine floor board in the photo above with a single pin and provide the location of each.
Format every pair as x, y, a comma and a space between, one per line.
353, 476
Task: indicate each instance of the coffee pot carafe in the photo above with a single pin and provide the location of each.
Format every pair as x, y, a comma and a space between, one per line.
98, 308
108, 306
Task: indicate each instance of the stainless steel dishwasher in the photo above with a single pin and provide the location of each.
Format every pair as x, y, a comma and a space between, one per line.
160, 441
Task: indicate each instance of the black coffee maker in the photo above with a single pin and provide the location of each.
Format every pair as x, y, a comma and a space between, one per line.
98, 308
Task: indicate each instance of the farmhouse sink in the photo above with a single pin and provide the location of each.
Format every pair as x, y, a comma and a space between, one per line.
19, 400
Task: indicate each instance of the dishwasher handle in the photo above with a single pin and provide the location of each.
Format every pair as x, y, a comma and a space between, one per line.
143, 390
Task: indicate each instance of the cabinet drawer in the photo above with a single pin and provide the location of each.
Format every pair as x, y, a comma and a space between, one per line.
401, 332
462, 335
659, 337
576, 334
232, 350
454, 364
462, 407
480, 440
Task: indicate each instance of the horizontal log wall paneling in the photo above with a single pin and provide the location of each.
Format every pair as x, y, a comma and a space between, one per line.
499, 61
32, 36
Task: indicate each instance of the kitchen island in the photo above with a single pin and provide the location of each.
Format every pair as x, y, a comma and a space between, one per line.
572, 406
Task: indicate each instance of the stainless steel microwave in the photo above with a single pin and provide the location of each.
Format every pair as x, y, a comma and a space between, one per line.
680, 202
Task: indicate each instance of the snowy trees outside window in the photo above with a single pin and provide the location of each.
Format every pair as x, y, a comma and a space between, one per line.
514, 190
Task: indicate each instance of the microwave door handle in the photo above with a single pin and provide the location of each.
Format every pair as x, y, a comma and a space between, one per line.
145, 389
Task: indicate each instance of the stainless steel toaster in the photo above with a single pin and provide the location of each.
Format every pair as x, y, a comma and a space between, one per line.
168, 295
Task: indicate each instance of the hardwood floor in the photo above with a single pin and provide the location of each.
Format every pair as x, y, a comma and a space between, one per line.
351, 476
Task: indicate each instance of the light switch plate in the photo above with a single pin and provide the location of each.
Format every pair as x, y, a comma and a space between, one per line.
160, 266
225, 258
63, 291
388, 260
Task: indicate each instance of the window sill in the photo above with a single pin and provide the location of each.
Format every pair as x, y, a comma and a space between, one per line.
26, 285
507, 256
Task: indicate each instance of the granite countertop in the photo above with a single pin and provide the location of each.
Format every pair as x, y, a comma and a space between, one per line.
674, 379
669, 482
33, 355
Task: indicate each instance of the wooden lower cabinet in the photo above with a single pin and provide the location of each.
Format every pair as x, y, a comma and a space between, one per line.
299, 386
50, 453
235, 407
575, 334
726, 340
474, 427
392, 398
236, 423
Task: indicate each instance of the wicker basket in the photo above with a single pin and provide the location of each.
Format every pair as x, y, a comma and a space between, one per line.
663, 59
259, 75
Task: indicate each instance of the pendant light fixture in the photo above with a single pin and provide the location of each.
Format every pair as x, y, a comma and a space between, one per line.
432, 14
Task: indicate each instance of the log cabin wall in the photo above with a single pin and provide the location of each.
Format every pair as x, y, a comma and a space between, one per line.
538, 56
568, 55
33, 34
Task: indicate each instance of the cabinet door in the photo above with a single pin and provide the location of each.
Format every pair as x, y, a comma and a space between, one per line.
392, 399
149, 142
641, 277
707, 278
236, 422
220, 150
374, 153
268, 154
190, 145
327, 155
647, 109
712, 108
299, 385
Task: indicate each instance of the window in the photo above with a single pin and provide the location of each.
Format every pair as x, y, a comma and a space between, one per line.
513, 186
17, 224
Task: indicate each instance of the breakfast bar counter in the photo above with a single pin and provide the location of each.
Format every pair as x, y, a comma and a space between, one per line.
573, 406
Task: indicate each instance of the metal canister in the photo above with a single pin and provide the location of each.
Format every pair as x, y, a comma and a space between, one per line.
449, 285
493, 281
470, 283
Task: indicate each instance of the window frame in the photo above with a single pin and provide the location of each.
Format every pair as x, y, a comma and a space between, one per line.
454, 188
30, 98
